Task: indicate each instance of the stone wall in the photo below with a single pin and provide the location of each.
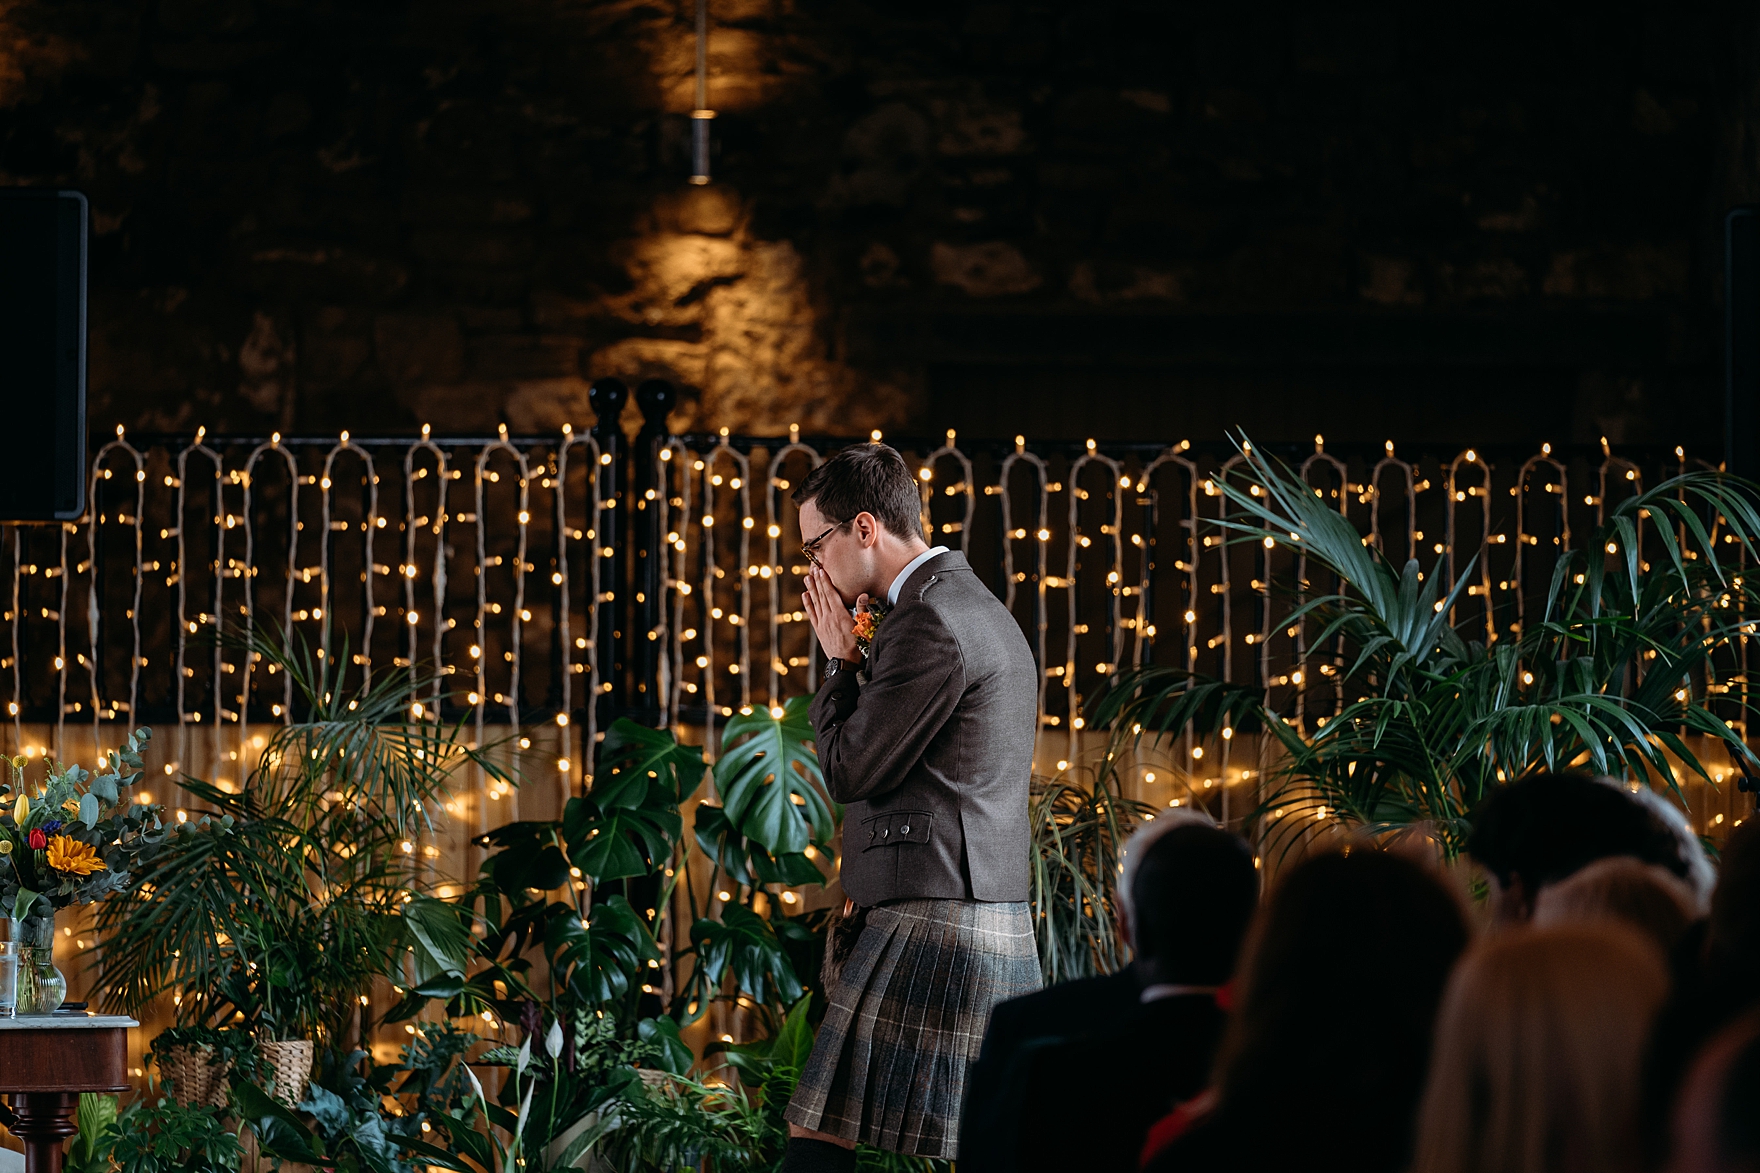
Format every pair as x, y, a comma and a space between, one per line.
1134, 220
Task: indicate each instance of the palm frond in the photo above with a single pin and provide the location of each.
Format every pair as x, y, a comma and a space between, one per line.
1614, 673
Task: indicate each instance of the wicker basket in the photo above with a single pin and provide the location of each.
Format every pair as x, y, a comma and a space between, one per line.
198, 1078
291, 1063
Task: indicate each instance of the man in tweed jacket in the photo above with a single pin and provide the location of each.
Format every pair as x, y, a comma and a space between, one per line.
927, 736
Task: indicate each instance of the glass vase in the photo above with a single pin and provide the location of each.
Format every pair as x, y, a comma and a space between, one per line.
41, 988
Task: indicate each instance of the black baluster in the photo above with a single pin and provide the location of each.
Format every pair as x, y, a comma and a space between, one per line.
607, 397
656, 398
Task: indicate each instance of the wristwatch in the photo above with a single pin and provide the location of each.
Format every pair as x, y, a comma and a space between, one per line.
833, 666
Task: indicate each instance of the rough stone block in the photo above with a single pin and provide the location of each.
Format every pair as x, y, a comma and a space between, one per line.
536, 406
419, 348
993, 269
522, 356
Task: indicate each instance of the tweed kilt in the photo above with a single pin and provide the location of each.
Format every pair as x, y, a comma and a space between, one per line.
906, 1018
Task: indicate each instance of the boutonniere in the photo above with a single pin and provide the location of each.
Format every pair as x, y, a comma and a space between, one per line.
868, 617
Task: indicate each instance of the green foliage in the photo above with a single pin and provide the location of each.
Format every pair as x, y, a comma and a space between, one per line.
770, 782
286, 904
630, 824
158, 1135
1078, 832
95, 1118
1622, 658
744, 945
772, 803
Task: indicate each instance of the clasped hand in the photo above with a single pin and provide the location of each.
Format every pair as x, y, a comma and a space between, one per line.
829, 617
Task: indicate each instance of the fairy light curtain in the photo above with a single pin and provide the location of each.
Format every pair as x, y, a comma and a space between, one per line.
486, 557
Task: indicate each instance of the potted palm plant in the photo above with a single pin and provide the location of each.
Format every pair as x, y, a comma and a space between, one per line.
275, 913
1406, 721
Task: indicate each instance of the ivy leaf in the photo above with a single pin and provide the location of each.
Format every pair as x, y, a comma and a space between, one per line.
606, 953
767, 775
742, 942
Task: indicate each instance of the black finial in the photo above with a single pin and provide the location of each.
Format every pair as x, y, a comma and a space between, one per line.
607, 397
656, 398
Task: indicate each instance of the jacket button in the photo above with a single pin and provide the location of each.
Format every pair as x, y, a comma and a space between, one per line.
905, 830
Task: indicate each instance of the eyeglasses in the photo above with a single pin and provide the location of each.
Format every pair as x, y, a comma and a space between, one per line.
811, 548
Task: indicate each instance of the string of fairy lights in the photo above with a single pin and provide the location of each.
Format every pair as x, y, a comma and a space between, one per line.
489, 558
218, 536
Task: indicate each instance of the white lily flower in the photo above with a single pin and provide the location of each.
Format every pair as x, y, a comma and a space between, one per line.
525, 1057
553, 1040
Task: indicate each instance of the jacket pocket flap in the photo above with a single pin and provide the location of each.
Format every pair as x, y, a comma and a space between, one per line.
896, 827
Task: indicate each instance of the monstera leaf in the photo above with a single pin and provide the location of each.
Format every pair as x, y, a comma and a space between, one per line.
743, 943
675, 1054
633, 753
605, 953
769, 779
529, 859
436, 937
629, 822
617, 842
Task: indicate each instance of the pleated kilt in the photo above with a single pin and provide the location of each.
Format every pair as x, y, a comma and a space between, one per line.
906, 1018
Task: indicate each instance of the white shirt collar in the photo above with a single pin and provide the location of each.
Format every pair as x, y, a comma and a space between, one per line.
898, 583
1174, 990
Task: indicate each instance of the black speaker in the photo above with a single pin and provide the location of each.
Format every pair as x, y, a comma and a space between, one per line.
1741, 338
43, 354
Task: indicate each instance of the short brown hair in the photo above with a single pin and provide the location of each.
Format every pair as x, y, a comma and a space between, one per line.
869, 478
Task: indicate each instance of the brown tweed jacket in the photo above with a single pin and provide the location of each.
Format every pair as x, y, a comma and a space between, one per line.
930, 746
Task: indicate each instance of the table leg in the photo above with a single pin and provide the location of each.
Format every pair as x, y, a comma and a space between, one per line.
43, 1120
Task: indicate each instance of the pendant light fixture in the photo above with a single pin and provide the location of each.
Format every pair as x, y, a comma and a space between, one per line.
701, 116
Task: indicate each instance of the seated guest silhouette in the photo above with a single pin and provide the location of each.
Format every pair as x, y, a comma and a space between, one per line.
1329, 1032
1142, 1039
1540, 829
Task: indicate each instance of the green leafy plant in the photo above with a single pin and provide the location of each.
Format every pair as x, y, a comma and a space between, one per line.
1622, 660
303, 886
156, 1134
1078, 833
95, 1117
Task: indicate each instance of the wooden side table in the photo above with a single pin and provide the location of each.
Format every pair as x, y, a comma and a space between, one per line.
46, 1061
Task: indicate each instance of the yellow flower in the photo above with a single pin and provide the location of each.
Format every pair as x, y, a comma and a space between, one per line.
22, 810
5, 847
71, 806
73, 857
20, 762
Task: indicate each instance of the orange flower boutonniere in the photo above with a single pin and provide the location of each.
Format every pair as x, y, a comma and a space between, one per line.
868, 617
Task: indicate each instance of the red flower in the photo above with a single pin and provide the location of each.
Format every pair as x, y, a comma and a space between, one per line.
38, 840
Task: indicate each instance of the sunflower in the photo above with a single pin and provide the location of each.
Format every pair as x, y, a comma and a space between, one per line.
69, 855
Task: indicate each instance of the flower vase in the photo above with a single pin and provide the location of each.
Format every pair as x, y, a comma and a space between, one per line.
41, 988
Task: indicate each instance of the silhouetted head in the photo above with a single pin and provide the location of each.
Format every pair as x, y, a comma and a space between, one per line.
1193, 889
1337, 997
1539, 829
